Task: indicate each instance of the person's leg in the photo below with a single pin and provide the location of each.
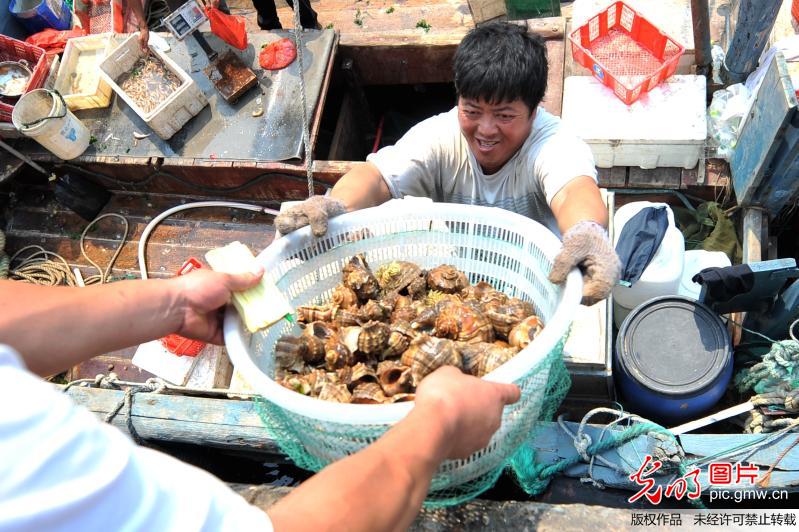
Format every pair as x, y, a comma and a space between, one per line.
267, 14
308, 19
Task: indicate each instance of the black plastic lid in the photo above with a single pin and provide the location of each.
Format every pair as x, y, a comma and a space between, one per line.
673, 345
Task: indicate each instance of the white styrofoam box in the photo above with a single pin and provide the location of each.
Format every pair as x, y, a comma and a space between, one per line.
78, 78
662, 275
177, 109
665, 127
673, 17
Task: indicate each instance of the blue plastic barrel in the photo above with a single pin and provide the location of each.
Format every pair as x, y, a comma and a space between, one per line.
37, 15
673, 359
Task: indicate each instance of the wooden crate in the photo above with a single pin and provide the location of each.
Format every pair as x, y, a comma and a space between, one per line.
171, 114
78, 79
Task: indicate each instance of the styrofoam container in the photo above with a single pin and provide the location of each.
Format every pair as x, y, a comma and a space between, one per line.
171, 114
695, 261
666, 127
78, 79
662, 276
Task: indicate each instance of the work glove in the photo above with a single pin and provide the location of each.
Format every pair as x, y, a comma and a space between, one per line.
586, 245
315, 211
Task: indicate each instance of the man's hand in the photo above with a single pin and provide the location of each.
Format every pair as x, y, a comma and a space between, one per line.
586, 245
200, 296
469, 408
144, 38
316, 211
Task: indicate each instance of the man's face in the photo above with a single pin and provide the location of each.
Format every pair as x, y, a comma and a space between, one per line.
494, 132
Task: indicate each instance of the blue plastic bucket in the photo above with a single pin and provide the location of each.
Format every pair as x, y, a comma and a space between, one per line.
673, 359
37, 15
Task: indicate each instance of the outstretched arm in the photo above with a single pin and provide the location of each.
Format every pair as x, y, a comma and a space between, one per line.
577, 201
582, 218
383, 486
361, 187
56, 327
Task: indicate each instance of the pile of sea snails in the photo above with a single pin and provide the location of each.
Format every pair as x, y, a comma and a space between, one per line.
382, 332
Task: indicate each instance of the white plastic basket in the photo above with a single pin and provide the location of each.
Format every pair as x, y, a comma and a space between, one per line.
510, 251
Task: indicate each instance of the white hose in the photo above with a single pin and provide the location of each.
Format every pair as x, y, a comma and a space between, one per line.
169, 212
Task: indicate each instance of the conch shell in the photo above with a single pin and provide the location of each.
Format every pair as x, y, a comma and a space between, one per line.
394, 378
447, 279
506, 317
357, 276
368, 393
525, 332
480, 359
428, 353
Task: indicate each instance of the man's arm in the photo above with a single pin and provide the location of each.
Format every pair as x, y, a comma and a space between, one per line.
382, 487
57, 327
361, 187
578, 201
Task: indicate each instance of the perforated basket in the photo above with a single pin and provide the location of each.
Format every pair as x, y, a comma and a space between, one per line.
625, 51
510, 251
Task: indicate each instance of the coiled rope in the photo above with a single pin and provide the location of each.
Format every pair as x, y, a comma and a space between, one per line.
47, 268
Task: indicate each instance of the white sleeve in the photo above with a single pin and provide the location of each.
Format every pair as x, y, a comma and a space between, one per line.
563, 157
63, 469
410, 167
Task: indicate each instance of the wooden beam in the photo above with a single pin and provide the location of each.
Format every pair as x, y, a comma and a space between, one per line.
755, 19
222, 423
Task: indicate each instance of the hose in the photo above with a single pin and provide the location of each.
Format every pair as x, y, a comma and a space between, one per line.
196, 205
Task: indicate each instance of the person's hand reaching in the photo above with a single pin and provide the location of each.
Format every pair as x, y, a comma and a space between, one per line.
469, 408
200, 297
586, 245
315, 211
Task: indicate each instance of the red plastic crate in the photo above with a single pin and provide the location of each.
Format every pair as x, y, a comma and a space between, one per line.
625, 51
795, 10
14, 50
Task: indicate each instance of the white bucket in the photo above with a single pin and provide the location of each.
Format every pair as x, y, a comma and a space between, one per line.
42, 115
662, 276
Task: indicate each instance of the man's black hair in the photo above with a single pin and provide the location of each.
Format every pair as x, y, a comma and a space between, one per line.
500, 62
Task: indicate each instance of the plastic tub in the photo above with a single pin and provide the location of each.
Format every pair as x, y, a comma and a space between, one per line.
43, 116
176, 109
38, 15
673, 359
78, 78
662, 276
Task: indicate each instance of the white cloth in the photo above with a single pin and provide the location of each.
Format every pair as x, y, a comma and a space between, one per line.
433, 160
61, 468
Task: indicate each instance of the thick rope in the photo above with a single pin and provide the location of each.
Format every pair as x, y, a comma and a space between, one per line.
47, 268
4, 260
306, 135
779, 367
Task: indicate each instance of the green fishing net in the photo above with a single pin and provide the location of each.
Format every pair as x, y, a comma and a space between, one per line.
456, 481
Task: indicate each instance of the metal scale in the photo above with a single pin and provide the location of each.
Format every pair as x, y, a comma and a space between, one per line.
231, 77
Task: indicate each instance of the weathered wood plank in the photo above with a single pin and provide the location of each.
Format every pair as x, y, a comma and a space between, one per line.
553, 98
760, 135
654, 178
485, 10
753, 22
223, 423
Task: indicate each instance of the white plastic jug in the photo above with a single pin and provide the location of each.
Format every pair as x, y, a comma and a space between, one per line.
662, 276
695, 261
42, 115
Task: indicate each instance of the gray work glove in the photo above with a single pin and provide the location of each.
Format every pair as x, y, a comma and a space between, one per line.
586, 245
315, 211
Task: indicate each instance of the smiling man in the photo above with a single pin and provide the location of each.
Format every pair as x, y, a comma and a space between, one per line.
496, 148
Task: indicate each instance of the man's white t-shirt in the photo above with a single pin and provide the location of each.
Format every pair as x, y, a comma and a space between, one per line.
61, 468
433, 160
